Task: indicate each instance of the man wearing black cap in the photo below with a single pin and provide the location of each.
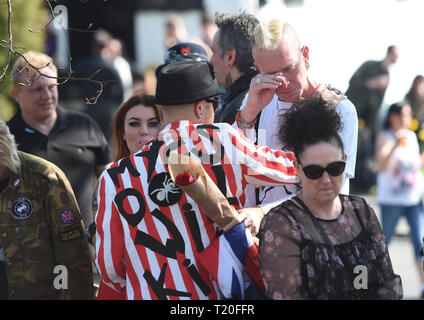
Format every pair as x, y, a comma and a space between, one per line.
149, 231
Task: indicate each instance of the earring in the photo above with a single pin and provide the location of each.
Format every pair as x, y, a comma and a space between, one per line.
200, 114
228, 80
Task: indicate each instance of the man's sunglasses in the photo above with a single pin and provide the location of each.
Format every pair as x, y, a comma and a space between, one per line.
314, 171
214, 101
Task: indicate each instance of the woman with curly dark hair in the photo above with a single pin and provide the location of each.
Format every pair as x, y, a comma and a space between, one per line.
322, 244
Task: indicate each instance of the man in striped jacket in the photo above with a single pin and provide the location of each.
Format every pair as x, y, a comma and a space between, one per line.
149, 232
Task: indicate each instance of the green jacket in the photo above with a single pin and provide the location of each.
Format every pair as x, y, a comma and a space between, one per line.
40, 229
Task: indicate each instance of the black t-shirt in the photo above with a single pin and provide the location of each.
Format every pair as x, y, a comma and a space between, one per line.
75, 144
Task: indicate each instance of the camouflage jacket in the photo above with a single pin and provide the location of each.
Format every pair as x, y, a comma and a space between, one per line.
41, 229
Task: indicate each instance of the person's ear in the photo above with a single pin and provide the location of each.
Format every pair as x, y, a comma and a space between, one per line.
345, 156
15, 94
230, 57
305, 55
198, 108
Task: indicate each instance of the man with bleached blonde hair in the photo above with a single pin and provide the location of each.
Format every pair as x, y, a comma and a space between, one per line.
41, 228
71, 140
283, 80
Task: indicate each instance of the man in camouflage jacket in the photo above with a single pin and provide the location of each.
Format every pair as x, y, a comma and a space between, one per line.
43, 245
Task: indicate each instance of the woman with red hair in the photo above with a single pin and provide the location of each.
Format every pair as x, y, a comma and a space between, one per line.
137, 121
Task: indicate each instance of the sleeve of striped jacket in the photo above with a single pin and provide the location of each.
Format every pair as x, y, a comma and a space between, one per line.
261, 165
110, 244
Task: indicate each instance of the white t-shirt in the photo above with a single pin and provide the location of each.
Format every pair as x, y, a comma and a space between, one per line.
402, 182
268, 128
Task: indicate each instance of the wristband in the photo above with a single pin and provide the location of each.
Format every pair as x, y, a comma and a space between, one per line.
243, 124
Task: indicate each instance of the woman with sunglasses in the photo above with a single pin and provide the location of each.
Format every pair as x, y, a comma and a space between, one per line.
321, 244
400, 183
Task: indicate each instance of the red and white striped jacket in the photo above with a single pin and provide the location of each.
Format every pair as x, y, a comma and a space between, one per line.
149, 231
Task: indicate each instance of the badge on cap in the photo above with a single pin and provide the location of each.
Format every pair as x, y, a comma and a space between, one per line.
185, 50
67, 216
22, 208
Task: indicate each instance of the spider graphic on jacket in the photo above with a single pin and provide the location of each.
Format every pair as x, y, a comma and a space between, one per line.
168, 187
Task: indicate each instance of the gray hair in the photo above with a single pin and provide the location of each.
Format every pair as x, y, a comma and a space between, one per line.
236, 32
8, 149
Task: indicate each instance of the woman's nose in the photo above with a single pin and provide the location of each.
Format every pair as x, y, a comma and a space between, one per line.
144, 130
325, 177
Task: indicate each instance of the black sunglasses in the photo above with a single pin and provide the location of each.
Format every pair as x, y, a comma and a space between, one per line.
314, 171
214, 101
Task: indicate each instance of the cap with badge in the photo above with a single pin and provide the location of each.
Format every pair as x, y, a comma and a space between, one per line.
185, 51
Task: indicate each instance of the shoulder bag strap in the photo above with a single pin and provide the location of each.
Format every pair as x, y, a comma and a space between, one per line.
315, 221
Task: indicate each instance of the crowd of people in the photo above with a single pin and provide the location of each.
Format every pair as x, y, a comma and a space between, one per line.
282, 149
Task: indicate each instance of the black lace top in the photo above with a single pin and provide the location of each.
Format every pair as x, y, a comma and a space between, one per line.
304, 257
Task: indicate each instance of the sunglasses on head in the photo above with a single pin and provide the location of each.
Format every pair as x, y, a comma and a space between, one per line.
214, 101
314, 171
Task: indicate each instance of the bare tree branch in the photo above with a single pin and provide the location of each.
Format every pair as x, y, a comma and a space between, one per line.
61, 80
10, 42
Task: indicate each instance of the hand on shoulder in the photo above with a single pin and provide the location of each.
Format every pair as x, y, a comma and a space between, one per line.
331, 94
